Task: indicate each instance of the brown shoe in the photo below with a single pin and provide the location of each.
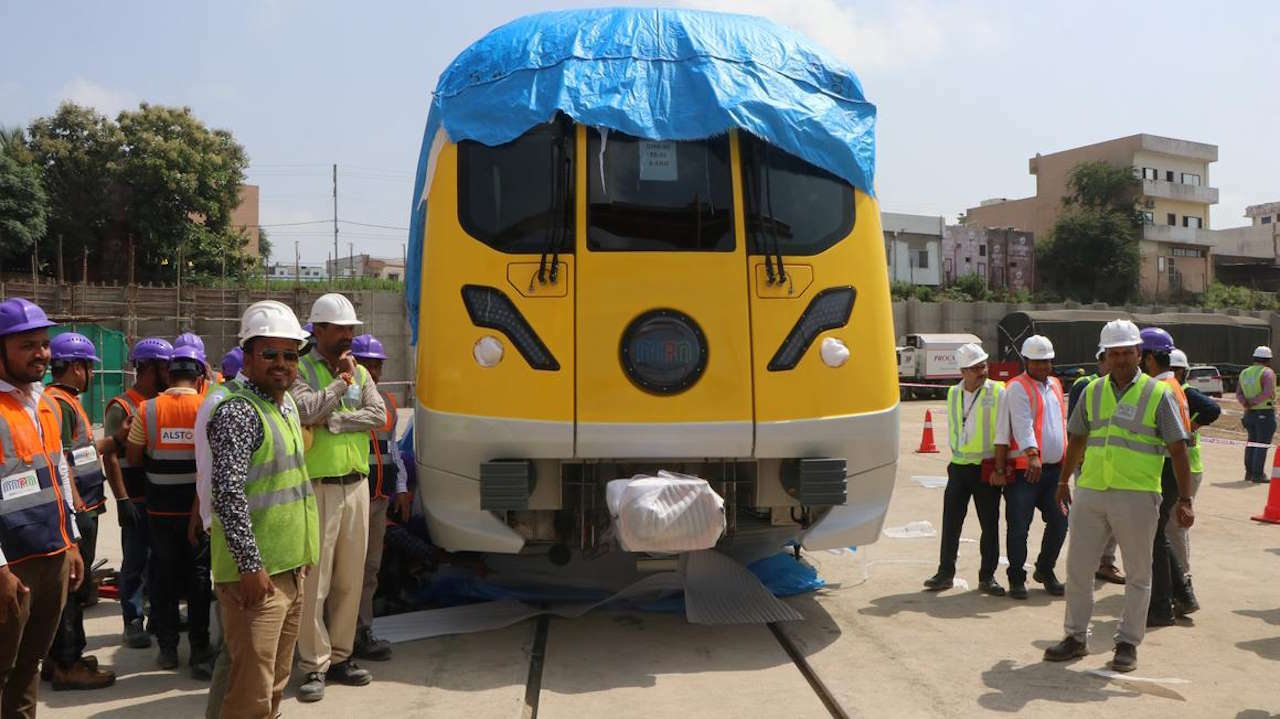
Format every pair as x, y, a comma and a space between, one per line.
1109, 573
82, 676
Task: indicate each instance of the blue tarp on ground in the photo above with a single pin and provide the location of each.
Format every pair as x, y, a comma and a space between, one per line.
660, 74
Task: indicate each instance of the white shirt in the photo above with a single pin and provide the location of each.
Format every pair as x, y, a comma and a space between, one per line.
971, 421
30, 401
1015, 419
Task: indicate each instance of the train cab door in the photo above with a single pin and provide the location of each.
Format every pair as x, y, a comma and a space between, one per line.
663, 328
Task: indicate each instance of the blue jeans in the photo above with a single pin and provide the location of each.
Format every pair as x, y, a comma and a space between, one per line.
1261, 426
1021, 500
136, 545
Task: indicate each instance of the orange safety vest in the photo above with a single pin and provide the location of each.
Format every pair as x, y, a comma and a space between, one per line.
169, 421
82, 455
34, 518
1028, 385
135, 478
1181, 395
382, 468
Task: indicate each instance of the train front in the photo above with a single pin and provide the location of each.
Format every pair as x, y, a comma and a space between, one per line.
667, 269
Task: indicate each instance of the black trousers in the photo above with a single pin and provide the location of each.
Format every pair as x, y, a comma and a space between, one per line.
964, 481
179, 568
1167, 575
69, 642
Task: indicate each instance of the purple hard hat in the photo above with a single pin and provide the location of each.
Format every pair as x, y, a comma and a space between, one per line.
151, 349
186, 352
19, 315
191, 339
232, 362
70, 346
1155, 339
309, 328
367, 347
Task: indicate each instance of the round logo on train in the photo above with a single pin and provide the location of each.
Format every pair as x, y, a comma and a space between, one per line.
664, 351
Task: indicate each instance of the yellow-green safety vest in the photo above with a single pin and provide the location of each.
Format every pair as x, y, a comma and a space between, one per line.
981, 445
1251, 385
282, 507
1125, 450
334, 455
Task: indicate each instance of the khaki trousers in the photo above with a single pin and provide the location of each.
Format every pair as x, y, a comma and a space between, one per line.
26, 637
373, 559
258, 643
1179, 536
334, 585
1131, 518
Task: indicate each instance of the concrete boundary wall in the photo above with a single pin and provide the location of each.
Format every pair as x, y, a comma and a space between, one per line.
214, 314
982, 318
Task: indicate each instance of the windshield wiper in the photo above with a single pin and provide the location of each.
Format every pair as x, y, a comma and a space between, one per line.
753, 208
562, 197
773, 221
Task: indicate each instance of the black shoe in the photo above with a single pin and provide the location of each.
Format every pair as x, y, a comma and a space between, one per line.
1126, 657
1184, 600
312, 687
1018, 590
1157, 618
1065, 650
348, 673
1050, 582
990, 586
46, 671
168, 658
370, 647
939, 582
135, 637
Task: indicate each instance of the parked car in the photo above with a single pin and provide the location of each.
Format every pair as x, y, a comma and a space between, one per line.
1207, 379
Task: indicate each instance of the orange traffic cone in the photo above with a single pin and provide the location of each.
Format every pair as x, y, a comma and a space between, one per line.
1272, 512
926, 439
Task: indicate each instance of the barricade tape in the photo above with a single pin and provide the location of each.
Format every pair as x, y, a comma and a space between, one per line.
1235, 442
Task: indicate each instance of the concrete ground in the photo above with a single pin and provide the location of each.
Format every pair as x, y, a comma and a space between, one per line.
882, 646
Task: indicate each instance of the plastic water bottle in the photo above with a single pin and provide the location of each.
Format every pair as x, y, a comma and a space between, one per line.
353, 393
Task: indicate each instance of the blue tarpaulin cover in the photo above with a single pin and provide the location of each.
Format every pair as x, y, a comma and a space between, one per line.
659, 74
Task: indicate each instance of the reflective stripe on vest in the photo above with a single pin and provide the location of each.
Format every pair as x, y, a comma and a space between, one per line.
34, 518
1251, 385
334, 455
982, 445
135, 478
170, 421
1125, 448
383, 471
82, 455
1029, 386
282, 508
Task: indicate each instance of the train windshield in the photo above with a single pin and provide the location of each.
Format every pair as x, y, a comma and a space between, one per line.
518, 197
658, 196
792, 207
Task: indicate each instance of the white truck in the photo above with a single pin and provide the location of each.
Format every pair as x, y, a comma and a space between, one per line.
928, 361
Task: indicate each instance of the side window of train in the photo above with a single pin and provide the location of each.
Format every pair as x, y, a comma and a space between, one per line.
652, 196
811, 209
518, 197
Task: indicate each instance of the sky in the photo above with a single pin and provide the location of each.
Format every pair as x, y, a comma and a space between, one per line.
966, 91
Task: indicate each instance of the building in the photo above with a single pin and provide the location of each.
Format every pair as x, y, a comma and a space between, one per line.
1175, 246
1250, 255
304, 272
1003, 257
245, 218
913, 247
384, 268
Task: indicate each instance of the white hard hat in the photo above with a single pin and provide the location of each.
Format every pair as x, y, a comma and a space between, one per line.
970, 354
1102, 352
1262, 352
1178, 358
270, 319
334, 309
1119, 333
1037, 347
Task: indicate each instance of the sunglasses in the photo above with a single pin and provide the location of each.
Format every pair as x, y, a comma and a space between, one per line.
272, 355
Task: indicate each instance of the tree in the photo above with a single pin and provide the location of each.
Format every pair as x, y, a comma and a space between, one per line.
1092, 251
181, 181
23, 203
76, 150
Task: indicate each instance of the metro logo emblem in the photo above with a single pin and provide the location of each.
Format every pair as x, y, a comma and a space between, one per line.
177, 435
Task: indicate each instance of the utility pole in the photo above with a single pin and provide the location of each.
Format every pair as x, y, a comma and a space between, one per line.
297, 264
351, 259
333, 274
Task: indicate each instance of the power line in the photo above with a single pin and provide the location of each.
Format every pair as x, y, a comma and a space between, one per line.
366, 224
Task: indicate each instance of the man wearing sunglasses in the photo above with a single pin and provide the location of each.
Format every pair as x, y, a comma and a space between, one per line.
339, 401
